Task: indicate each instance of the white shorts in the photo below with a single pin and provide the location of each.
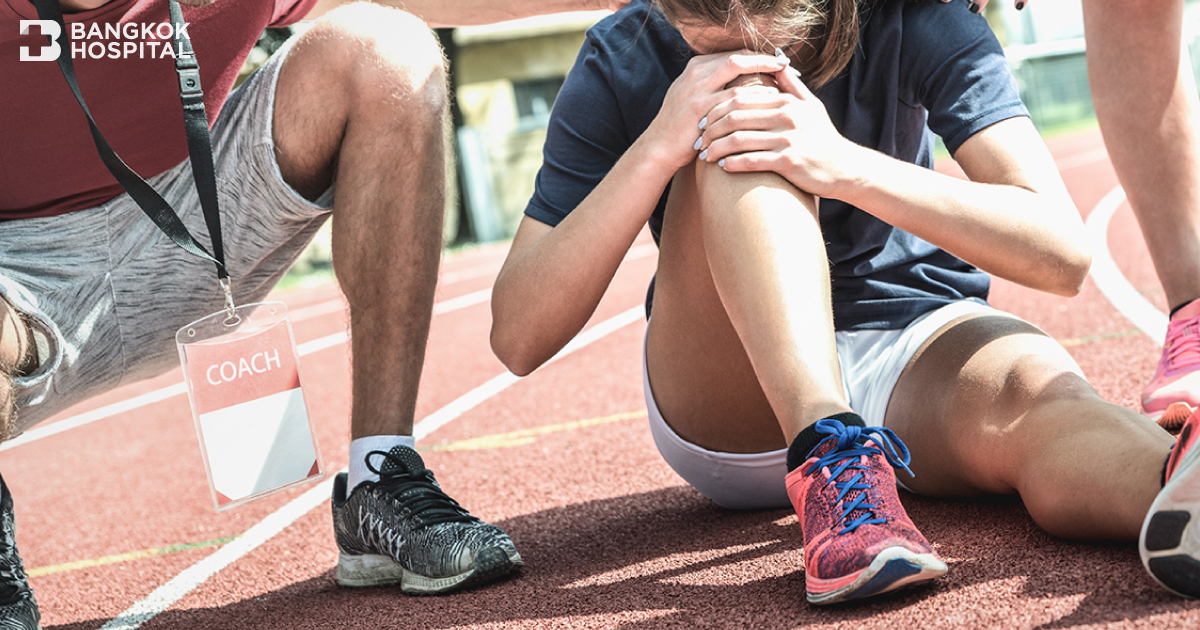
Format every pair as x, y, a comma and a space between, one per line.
871, 362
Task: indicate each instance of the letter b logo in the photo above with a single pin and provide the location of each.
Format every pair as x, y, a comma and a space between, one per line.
49, 29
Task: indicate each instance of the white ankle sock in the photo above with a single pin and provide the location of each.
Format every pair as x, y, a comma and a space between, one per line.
363, 445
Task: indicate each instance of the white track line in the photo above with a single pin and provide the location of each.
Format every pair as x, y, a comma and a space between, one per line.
177, 389
198, 573
316, 345
192, 577
1108, 277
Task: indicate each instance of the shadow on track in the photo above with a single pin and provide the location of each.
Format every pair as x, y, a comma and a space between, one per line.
669, 557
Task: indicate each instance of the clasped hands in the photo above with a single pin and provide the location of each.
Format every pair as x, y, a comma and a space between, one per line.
746, 112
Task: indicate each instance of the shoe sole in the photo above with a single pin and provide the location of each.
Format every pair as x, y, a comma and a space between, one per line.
362, 571
893, 569
1169, 543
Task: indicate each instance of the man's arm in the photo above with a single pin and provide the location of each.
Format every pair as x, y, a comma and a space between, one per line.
467, 12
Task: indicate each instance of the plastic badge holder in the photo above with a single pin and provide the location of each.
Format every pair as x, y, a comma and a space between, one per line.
243, 378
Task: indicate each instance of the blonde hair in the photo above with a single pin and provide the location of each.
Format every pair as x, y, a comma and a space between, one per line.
828, 28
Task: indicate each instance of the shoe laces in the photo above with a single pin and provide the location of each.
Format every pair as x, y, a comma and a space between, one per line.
1183, 343
417, 491
845, 458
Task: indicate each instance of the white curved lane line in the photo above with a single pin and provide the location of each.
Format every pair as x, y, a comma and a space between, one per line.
328, 341
306, 348
192, 577
1108, 277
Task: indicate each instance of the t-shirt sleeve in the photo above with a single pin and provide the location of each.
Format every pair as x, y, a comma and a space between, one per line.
585, 137
288, 12
961, 74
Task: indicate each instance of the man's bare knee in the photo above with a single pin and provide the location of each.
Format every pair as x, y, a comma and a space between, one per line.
386, 53
361, 67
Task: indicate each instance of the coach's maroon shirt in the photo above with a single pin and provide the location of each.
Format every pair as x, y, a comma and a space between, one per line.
48, 162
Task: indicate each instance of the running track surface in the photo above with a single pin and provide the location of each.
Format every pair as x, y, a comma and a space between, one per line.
117, 528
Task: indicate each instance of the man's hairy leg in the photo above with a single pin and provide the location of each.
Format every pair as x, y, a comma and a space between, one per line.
361, 104
17, 356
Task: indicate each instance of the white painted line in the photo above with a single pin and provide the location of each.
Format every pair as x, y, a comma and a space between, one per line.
316, 345
499, 383
198, 573
99, 413
192, 577
462, 301
309, 347
470, 299
1108, 277
317, 310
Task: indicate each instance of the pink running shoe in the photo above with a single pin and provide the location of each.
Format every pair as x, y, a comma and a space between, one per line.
1170, 540
858, 541
1177, 378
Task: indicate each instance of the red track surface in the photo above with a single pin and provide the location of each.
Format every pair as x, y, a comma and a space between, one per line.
611, 537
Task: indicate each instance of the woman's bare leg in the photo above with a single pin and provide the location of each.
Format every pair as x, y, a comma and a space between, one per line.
991, 405
740, 347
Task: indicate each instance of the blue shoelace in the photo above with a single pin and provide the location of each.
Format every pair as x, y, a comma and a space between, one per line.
846, 455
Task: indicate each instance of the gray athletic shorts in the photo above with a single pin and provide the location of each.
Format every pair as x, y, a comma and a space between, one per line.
106, 290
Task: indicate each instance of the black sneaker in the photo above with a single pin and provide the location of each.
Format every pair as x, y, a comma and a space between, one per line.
404, 530
18, 610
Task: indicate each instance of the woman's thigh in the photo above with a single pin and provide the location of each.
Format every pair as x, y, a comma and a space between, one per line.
701, 377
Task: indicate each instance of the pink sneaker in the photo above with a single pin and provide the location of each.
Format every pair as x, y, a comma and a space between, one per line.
858, 540
1170, 540
1177, 378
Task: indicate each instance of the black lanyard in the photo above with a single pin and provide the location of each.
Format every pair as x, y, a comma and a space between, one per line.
199, 145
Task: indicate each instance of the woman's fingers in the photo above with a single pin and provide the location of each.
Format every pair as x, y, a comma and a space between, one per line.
749, 141
746, 98
714, 72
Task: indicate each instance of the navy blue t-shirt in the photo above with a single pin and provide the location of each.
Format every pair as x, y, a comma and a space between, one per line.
918, 67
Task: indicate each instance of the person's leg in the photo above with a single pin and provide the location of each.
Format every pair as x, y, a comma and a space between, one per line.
741, 358
1145, 98
991, 405
361, 106
742, 284
17, 356
17, 604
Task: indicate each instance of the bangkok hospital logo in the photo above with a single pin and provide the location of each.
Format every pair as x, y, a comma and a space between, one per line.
104, 41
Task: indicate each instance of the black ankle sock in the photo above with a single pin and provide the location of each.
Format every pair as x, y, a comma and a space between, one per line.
1178, 308
808, 438
1164, 470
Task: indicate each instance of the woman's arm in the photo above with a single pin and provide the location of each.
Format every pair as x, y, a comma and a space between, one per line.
553, 278
1013, 219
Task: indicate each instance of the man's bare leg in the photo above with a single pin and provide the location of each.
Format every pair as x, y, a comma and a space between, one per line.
1145, 97
17, 356
361, 105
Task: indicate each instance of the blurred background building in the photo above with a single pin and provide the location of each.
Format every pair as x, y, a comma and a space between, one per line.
505, 78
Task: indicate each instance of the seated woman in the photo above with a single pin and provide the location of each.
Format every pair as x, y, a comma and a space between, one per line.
792, 343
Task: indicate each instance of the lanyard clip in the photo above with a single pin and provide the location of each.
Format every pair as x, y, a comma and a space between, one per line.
230, 309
